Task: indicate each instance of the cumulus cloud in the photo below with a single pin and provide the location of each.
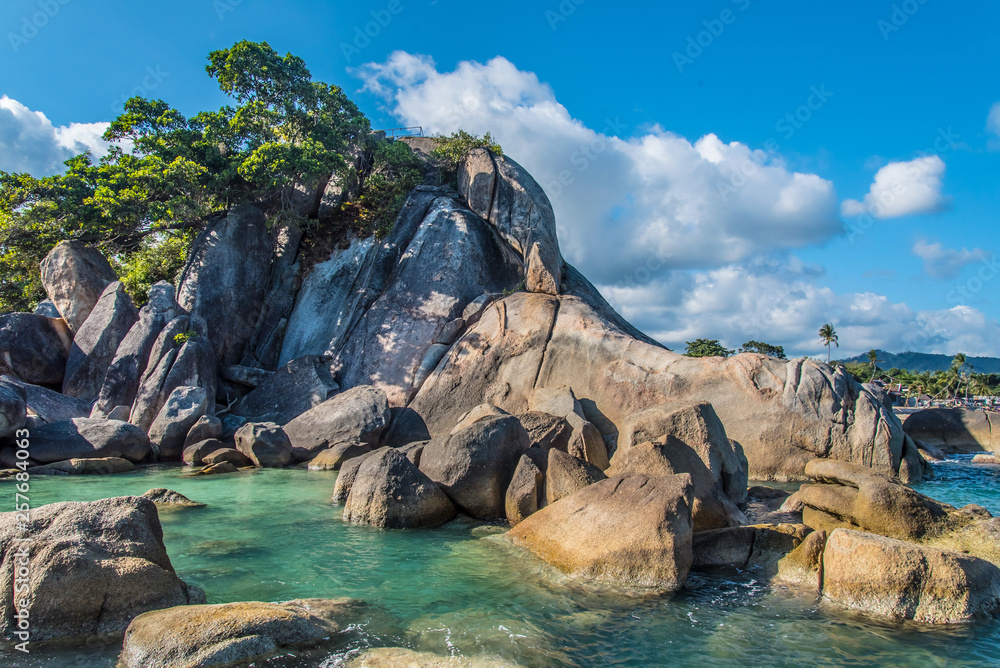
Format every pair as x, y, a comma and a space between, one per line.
903, 189
29, 142
942, 262
618, 201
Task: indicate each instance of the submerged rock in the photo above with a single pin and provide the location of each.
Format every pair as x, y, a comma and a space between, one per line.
93, 568
400, 657
757, 547
163, 497
217, 635
631, 530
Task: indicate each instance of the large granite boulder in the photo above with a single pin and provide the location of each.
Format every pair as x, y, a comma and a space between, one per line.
955, 429
182, 409
265, 443
389, 491
502, 192
348, 474
87, 438
49, 406
783, 412
121, 382
232, 633
92, 567
95, 466
74, 276
35, 348
900, 580
13, 408
526, 491
566, 475
450, 259
753, 547
631, 530
854, 497
182, 356
226, 279
334, 457
96, 342
361, 413
295, 388
474, 466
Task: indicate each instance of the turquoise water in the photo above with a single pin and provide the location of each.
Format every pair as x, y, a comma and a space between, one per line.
272, 535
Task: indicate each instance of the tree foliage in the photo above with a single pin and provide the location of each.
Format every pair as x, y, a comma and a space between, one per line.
706, 348
828, 335
451, 150
167, 174
763, 349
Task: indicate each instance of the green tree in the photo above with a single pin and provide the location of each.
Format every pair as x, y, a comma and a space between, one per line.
873, 360
706, 348
763, 349
828, 335
452, 149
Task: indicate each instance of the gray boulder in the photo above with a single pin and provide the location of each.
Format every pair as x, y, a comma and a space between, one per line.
265, 443
229, 455
231, 633
298, 386
182, 409
332, 458
121, 382
346, 477
474, 466
545, 431
47, 308
226, 279
526, 491
92, 466
35, 347
195, 453
49, 406
96, 342
13, 408
87, 438
168, 498
361, 413
93, 568
204, 428
74, 276
955, 429
390, 492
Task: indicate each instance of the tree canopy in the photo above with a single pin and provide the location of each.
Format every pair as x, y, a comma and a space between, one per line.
166, 174
763, 348
706, 348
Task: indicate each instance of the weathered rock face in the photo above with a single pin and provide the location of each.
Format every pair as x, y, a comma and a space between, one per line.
226, 279
74, 276
400, 657
34, 348
802, 568
783, 413
164, 498
566, 475
87, 438
195, 453
851, 496
265, 443
204, 428
332, 458
324, 305
955, 429
361, 413
49, 406
545, 431
526, 491
348, 474
13, 408
757, 547
896, 579
96, 466
182, 409
632, 530
230, 633
93, 568
298, 386
121, 382
451, 258
475, 466
390, 491
502, 192
96, 342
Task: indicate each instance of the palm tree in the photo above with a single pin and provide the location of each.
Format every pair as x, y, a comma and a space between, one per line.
873, 360
828, 335
957, 367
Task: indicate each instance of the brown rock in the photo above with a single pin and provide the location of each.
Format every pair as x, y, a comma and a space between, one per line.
567, 475
334, 457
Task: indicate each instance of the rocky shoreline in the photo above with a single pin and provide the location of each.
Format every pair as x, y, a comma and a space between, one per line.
457, 367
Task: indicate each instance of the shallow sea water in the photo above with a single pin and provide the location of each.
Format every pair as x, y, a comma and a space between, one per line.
273, 535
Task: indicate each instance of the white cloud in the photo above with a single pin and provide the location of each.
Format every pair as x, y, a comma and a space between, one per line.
782, 306
993, 125
903, 189
30, 143
941, 262
618, 200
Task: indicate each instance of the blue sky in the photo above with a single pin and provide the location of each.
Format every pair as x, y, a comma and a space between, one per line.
715, 156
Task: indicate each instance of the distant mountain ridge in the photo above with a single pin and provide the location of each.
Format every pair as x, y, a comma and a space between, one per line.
920, 362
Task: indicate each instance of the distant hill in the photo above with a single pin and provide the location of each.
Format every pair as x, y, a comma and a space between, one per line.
919, 362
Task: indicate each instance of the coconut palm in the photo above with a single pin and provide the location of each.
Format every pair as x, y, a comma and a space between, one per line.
828, 335
873, 360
